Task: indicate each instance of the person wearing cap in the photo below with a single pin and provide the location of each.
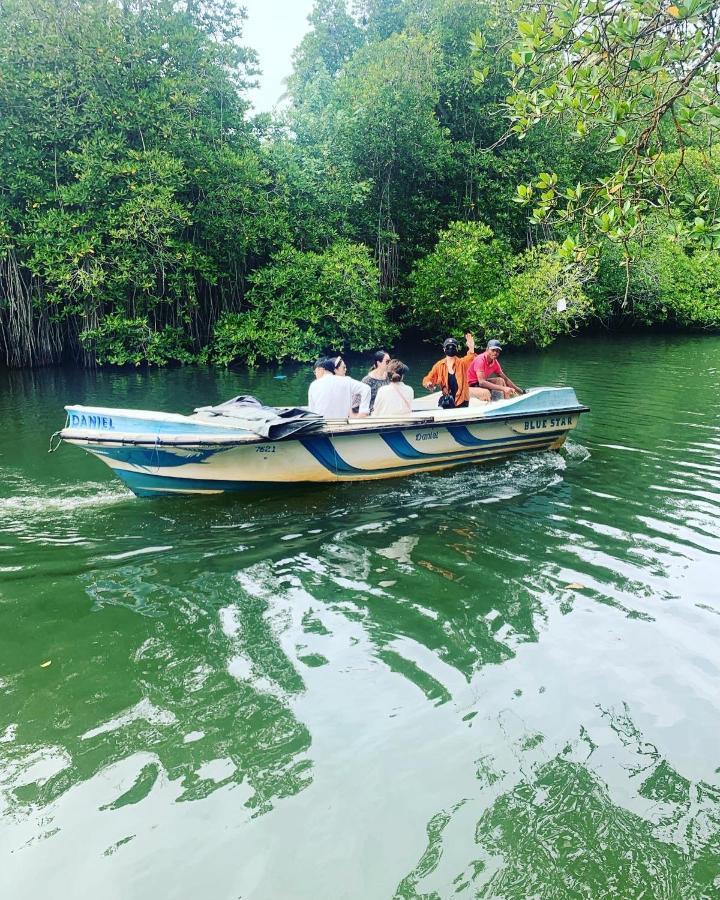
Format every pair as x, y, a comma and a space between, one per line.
331, 394
450, 374
486, 375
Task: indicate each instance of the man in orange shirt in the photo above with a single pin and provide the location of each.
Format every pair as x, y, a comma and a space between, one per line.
485, 374
450, 373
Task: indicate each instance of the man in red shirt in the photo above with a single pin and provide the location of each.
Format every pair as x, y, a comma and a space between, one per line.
486, 375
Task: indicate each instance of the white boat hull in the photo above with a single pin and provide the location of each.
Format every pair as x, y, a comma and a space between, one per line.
155, 454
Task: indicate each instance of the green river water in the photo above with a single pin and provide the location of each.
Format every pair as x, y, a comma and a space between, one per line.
496, 682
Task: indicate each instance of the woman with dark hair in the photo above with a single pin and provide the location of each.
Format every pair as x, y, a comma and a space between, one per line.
332, 394
450, 374
377, 376
394, 398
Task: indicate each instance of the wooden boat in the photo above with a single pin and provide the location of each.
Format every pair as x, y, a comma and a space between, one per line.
158, 453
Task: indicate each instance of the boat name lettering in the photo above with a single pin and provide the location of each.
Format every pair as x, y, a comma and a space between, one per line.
426, 436
265, 449
83, 421
540, 424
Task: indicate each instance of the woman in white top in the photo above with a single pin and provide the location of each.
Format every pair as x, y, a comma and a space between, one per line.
395, 398
331, 394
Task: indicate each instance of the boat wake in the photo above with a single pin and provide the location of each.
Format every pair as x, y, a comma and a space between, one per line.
575, 453
67, 499
523, 475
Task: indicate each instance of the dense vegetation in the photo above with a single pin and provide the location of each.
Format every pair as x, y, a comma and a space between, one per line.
441, 165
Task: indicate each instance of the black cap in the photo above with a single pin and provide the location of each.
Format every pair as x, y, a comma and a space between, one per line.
494, 345
449, 342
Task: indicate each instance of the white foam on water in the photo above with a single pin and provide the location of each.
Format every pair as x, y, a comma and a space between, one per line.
574, 452
37, 504
401, 549
490, 483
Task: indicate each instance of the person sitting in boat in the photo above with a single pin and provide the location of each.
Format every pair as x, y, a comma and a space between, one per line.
378, 374
394, 398
450, 373
486, 378
331, 394
323, 366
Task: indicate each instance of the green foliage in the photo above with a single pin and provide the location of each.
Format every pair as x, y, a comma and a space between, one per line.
240, 214
471, 280
450, 285
383, 124
116, 231
127, 164
697, 304
119, 341
635, 76
544, 298
321, 193
693, 177
665, 282
302, 304
405, 120
333, 38
381, 18
142, 208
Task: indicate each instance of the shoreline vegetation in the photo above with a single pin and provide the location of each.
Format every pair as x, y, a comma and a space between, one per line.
440, 166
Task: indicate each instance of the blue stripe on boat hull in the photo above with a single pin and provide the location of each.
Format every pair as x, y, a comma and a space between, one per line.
323, 449
143, 484
464, 436
155, 457
402, 447
146, 484
153, 460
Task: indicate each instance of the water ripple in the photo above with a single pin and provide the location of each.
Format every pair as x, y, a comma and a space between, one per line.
500, 681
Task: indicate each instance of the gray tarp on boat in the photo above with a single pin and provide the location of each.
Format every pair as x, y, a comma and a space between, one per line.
272, 422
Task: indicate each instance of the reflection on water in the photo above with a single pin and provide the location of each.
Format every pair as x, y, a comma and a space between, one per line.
225, 702
605, 816
495, 682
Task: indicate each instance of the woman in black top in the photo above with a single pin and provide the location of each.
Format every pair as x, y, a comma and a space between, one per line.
377, 376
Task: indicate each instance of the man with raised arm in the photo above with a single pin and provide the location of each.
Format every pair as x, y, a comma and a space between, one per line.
450, 373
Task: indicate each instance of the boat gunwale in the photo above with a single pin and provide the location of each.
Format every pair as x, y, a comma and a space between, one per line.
223, 441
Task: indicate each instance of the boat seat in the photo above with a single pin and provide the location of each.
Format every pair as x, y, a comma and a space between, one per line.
430, 401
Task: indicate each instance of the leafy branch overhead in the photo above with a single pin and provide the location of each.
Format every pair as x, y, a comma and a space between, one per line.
640, 78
